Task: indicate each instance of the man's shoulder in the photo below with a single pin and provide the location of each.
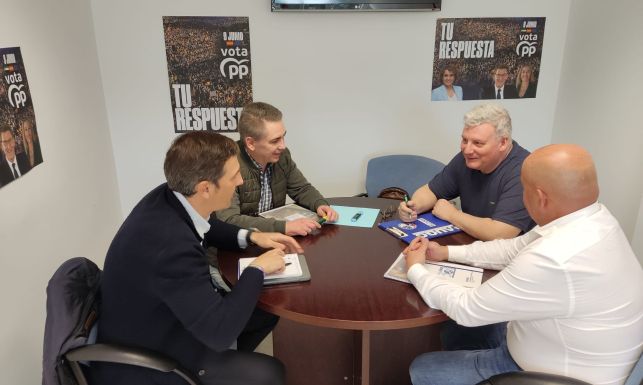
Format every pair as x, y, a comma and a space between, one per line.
457, 163
285, 161
158, 202
518, 153
158, 215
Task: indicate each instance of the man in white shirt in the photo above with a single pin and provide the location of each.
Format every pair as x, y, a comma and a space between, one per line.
571, 288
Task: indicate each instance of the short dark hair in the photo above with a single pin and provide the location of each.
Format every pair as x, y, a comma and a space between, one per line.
450, 68
251, 122
6, 129
500, 67
195, 157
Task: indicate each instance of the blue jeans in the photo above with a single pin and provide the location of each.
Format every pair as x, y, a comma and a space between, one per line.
485, 355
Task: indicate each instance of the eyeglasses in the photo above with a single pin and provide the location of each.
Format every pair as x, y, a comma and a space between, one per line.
387, 214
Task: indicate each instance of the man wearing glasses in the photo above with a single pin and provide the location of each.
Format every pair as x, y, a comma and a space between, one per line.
499, 89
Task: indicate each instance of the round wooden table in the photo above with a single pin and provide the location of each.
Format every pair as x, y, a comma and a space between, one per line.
347, 291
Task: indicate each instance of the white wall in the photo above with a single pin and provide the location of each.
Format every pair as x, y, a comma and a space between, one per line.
351, 85
67, 206
600, 100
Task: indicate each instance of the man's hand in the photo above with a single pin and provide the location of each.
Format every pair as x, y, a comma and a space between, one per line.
276, 241
443, 209
407, 211
327, 212
271, 261
416, 252
303, 226
436, 252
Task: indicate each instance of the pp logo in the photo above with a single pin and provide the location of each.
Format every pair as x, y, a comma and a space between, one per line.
17, 97
235, 68
525, 48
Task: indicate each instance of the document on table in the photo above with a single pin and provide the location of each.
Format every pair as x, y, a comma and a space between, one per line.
296, 270
463, 275
355, 216
289, 212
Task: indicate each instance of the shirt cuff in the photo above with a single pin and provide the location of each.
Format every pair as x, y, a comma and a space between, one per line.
457, 254
416, 272
241, 238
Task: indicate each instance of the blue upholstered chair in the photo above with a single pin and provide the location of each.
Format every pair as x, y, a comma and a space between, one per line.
407, 172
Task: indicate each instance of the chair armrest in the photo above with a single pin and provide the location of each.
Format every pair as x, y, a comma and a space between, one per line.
130, 356
361, 195
531, 378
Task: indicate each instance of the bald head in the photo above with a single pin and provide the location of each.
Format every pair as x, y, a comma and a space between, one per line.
564, 176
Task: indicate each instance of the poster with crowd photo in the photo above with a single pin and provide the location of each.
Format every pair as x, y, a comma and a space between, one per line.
208, 60
487, 58
19, 143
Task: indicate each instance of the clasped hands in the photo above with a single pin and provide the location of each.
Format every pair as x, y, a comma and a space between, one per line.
421, 249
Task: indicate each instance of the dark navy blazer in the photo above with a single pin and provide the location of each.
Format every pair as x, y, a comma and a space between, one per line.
157, 292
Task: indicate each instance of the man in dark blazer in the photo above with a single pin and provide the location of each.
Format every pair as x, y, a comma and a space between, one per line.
156, 288
500, 89
12, 165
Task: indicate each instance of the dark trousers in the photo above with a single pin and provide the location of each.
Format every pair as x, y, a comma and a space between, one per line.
243, 366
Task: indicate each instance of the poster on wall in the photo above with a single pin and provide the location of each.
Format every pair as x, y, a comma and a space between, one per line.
487, 58
208, 63
19, 142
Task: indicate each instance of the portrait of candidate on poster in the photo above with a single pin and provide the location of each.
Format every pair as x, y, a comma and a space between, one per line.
208, 63
19, 142
487, 58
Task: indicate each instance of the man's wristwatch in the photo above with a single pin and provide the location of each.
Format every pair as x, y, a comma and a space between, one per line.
248, 240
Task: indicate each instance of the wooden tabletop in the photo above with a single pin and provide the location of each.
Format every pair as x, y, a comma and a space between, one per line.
347, 289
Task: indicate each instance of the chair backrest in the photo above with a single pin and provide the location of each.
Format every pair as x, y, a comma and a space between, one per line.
72, 304
408, 172
73, 298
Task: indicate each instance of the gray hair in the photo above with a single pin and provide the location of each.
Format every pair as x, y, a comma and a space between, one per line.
253, 118
490, 113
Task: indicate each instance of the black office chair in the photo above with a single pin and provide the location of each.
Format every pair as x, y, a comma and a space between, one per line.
530, 378
536, 378
73, 295
406, 172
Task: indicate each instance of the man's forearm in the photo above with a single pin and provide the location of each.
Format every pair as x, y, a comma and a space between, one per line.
485, 229
424, 199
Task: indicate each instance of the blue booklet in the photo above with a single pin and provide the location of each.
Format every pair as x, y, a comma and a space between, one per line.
427, 225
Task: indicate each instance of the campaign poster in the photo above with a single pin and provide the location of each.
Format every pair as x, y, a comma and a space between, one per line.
487, 58
208, 63
19, 142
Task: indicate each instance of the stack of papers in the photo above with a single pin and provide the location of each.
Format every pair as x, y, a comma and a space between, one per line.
462, 275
